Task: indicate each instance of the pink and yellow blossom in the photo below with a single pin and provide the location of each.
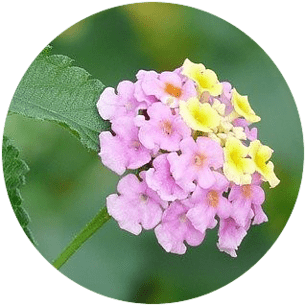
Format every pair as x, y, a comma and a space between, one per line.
192, 160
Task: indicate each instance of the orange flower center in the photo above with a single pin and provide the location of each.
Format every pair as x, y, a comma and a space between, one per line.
128, 105
136, 145
172, 90
213, 198
183, 218
199, 159
246, 190
143, 198
167, 127
204, 97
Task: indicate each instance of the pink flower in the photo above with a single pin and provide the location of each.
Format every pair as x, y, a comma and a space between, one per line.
259, 215
169, 88
111, 106
207, 203
247, 197
124, 150
195, 163
163, 130
176, 228
230, 235
160, 180
139, 94
251, 134
136, 206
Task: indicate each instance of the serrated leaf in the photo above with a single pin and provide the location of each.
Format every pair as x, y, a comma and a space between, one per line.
14, 170
52, 89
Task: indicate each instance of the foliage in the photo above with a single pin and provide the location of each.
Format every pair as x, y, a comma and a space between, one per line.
52, 89
14, 170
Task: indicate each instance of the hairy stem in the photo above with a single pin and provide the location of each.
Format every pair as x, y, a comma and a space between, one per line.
98, 221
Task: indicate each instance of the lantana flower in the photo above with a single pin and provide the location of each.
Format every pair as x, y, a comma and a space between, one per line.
199, 116
230, 235
124, 150
175, 228
111, 105
160, 179
207, 203
163, 130
237, 167
191, 162
205, 79
242, 107
260, 155
169, 88
136, 206
196, 162
244, 198
139, 93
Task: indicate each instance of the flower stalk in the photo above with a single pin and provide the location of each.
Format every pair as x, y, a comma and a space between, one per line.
97, 222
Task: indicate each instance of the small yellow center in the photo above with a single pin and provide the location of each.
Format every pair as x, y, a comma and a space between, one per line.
172, 90
212, 197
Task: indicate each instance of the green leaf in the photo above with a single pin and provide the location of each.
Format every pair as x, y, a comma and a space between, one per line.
14, 170
52, 89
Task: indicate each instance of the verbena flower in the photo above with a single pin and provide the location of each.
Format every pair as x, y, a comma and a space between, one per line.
193, 163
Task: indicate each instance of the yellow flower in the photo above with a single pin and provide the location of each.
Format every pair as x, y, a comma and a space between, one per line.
260, 155
206, 79
243, 108
237, 167
199, 116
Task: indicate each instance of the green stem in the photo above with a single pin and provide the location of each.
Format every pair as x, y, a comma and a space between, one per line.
98, 221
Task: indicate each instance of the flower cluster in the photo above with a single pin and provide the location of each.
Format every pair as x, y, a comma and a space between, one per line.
191, 160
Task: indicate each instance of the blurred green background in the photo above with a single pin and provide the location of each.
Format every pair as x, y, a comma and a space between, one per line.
67, 185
